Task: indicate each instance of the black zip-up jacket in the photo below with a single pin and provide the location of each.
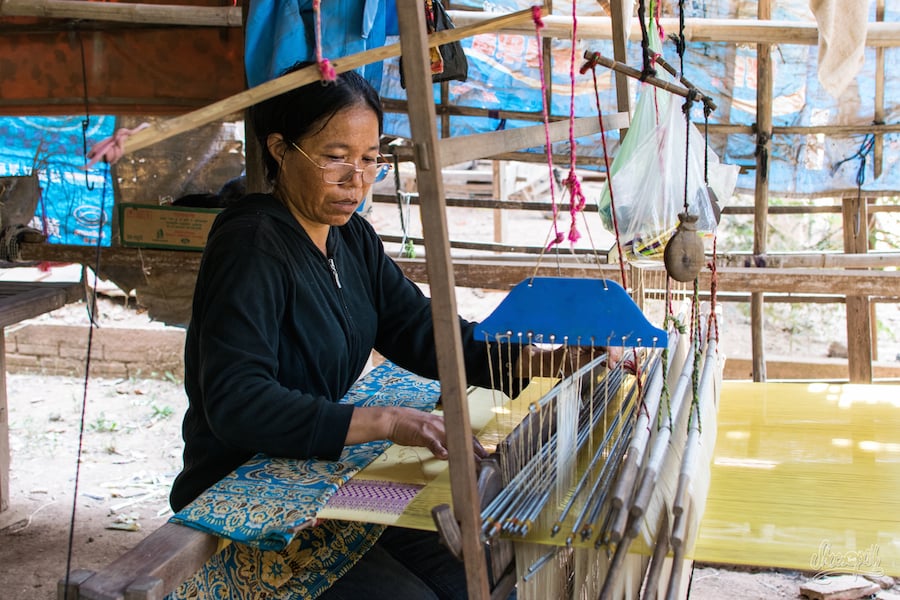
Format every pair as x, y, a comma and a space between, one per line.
279, 333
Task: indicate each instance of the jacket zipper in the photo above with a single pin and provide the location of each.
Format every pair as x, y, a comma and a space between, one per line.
337, 280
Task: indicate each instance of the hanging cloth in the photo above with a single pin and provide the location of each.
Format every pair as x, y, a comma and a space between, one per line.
842, 41
280, 33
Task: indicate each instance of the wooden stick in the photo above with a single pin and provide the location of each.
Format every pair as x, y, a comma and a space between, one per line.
634, 73
459, 149
736, 31
163, 130
197, 16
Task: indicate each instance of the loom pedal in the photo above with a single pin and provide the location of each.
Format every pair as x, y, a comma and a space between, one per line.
499, 554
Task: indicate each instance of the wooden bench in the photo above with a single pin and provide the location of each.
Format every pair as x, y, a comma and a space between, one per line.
153, 568
20, 301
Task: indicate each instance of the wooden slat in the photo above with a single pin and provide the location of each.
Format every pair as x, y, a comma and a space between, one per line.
466, 504
210, 16
481, 145
25, 300
171, 554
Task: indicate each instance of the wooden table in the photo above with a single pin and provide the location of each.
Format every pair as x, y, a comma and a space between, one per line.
20, 301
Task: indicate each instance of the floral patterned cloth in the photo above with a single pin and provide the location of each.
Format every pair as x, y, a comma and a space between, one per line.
267, 508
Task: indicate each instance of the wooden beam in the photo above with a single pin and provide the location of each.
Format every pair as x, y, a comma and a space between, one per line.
503, 273
157, 14
807, 369
451, 368
810, 260
481, 145
735, 31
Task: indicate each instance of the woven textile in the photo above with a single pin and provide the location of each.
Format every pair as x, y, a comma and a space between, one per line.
268, 508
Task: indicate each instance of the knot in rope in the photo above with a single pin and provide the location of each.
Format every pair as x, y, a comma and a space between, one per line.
692, 96
590, 62
865, 148
536, 16
111, 149
325, 69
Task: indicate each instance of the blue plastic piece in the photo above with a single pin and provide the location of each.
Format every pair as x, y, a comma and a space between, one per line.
579, 312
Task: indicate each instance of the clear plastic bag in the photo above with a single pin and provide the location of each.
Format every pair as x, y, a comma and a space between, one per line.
648, 175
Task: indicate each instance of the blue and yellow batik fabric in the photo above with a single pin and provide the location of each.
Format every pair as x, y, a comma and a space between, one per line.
267, 508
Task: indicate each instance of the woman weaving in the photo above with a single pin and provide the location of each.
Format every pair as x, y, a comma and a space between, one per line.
293, 293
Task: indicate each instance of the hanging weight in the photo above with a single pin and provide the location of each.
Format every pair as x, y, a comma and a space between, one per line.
684, 254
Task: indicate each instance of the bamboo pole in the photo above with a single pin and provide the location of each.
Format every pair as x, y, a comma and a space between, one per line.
736, 31
761, 190
163, 130
156, 14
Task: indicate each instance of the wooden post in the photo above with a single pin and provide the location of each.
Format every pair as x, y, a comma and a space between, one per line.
254, 171
617, 19
4, 427
761, 192
878, 149
859, 328
420, 94
500, 191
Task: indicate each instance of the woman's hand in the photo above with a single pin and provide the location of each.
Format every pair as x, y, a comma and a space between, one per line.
404, 426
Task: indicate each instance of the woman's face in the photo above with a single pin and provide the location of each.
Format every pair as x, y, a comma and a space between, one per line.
351, 136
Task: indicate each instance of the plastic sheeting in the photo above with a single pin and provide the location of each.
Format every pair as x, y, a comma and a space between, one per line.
504, 75
75, 204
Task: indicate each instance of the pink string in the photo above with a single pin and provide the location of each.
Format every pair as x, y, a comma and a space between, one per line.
609, 178
538, 25
576, 197
111, 149
325, 69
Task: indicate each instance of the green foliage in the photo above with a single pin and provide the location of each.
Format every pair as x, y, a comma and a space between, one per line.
103, 425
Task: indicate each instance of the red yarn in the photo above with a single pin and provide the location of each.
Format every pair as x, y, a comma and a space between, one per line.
112, 148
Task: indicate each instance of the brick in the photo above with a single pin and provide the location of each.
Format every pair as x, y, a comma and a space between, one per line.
110, 369
843, 587
15, 362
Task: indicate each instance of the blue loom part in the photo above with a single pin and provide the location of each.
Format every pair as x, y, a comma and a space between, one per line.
585, 311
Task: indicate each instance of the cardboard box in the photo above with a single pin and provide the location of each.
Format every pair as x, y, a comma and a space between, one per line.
172, 227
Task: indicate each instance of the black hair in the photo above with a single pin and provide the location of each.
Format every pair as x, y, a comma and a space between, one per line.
298, 112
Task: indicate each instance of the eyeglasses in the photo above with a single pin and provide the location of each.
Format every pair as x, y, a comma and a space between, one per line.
342, 172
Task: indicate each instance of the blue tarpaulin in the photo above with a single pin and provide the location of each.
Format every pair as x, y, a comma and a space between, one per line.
53, 147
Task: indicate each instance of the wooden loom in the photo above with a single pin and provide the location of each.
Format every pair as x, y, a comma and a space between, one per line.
170, 555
